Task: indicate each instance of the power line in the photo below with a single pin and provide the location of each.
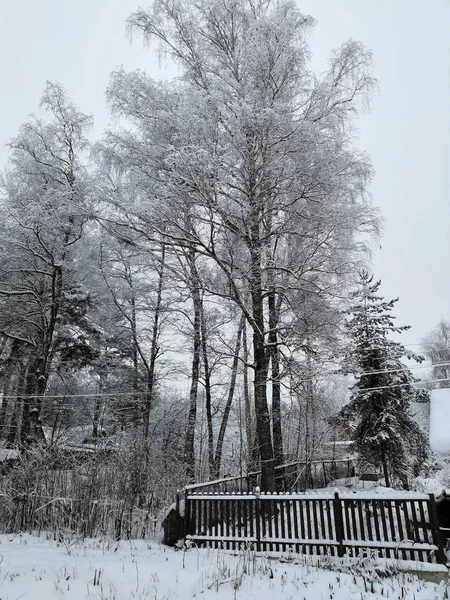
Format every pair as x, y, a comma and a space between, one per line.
438, 349
396, 385
381, 371
384, 387
142, 393
113, 394
137, 394
130, 394
446, 364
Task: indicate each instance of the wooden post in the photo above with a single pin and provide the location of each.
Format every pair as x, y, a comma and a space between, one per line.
436, 531
257, 519
338, 524
180, 521
187, 514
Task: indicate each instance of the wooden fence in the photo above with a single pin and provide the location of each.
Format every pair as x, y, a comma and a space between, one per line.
397, 526
293, 477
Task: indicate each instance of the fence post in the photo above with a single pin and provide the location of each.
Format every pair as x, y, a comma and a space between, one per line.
338, 523
187, 515
180, 520
257, 519
434, 522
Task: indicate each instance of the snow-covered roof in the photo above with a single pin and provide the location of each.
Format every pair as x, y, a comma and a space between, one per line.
174, 507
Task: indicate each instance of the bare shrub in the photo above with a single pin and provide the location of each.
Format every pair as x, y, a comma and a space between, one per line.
120, 493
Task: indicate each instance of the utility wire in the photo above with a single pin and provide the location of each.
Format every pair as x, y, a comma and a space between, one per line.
101, 395
138, 394
428, 366
384, 387
129, 408
396, 385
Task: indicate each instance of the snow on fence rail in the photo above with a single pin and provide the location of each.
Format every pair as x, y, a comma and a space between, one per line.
397, 526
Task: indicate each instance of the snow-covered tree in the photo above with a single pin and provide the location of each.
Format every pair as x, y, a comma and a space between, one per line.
45, 205
386, 433
247, 160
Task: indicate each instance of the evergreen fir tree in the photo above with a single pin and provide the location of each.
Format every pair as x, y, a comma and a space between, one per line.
385, 433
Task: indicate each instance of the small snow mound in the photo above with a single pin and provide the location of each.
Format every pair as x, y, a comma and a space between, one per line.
428, 485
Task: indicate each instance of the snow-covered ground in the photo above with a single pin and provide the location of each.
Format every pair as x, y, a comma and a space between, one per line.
39, 568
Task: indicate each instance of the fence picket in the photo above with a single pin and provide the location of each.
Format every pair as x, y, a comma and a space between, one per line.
257, 521
274, 512
283, 524
376, 520
338, 526
392, 532
252, 517
295, 505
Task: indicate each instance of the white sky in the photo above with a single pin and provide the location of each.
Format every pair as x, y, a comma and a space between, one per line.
407, 132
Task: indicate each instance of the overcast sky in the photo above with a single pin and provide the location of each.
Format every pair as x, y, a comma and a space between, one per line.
407, 132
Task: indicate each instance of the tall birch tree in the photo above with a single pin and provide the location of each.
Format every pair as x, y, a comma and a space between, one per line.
250, 163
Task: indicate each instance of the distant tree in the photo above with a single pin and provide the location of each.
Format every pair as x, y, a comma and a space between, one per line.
386, 432
436, 345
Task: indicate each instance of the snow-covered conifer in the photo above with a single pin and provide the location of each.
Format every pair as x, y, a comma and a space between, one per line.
386, 432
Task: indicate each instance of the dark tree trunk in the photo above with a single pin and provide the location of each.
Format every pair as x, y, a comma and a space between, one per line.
29, 416
7, 391
154, 349
255, 242
189, 450
11, 367
14, 434
249, 429
39, 370
136, 404
276, 389
384, 462
226, 414
98, 406
260, 374
208, 398
252, 438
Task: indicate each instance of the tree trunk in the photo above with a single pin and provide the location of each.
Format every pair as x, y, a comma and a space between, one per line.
384, 462
309, 423
260, 373
97, 410
247, 403
226, 414
253, 462
38, 374
29, 408
15, 424
135, 404
208, 399
7, 390
154, 350
189, 451
9, 385
276, 389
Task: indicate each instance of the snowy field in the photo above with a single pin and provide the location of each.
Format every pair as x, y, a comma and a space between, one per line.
37, 568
